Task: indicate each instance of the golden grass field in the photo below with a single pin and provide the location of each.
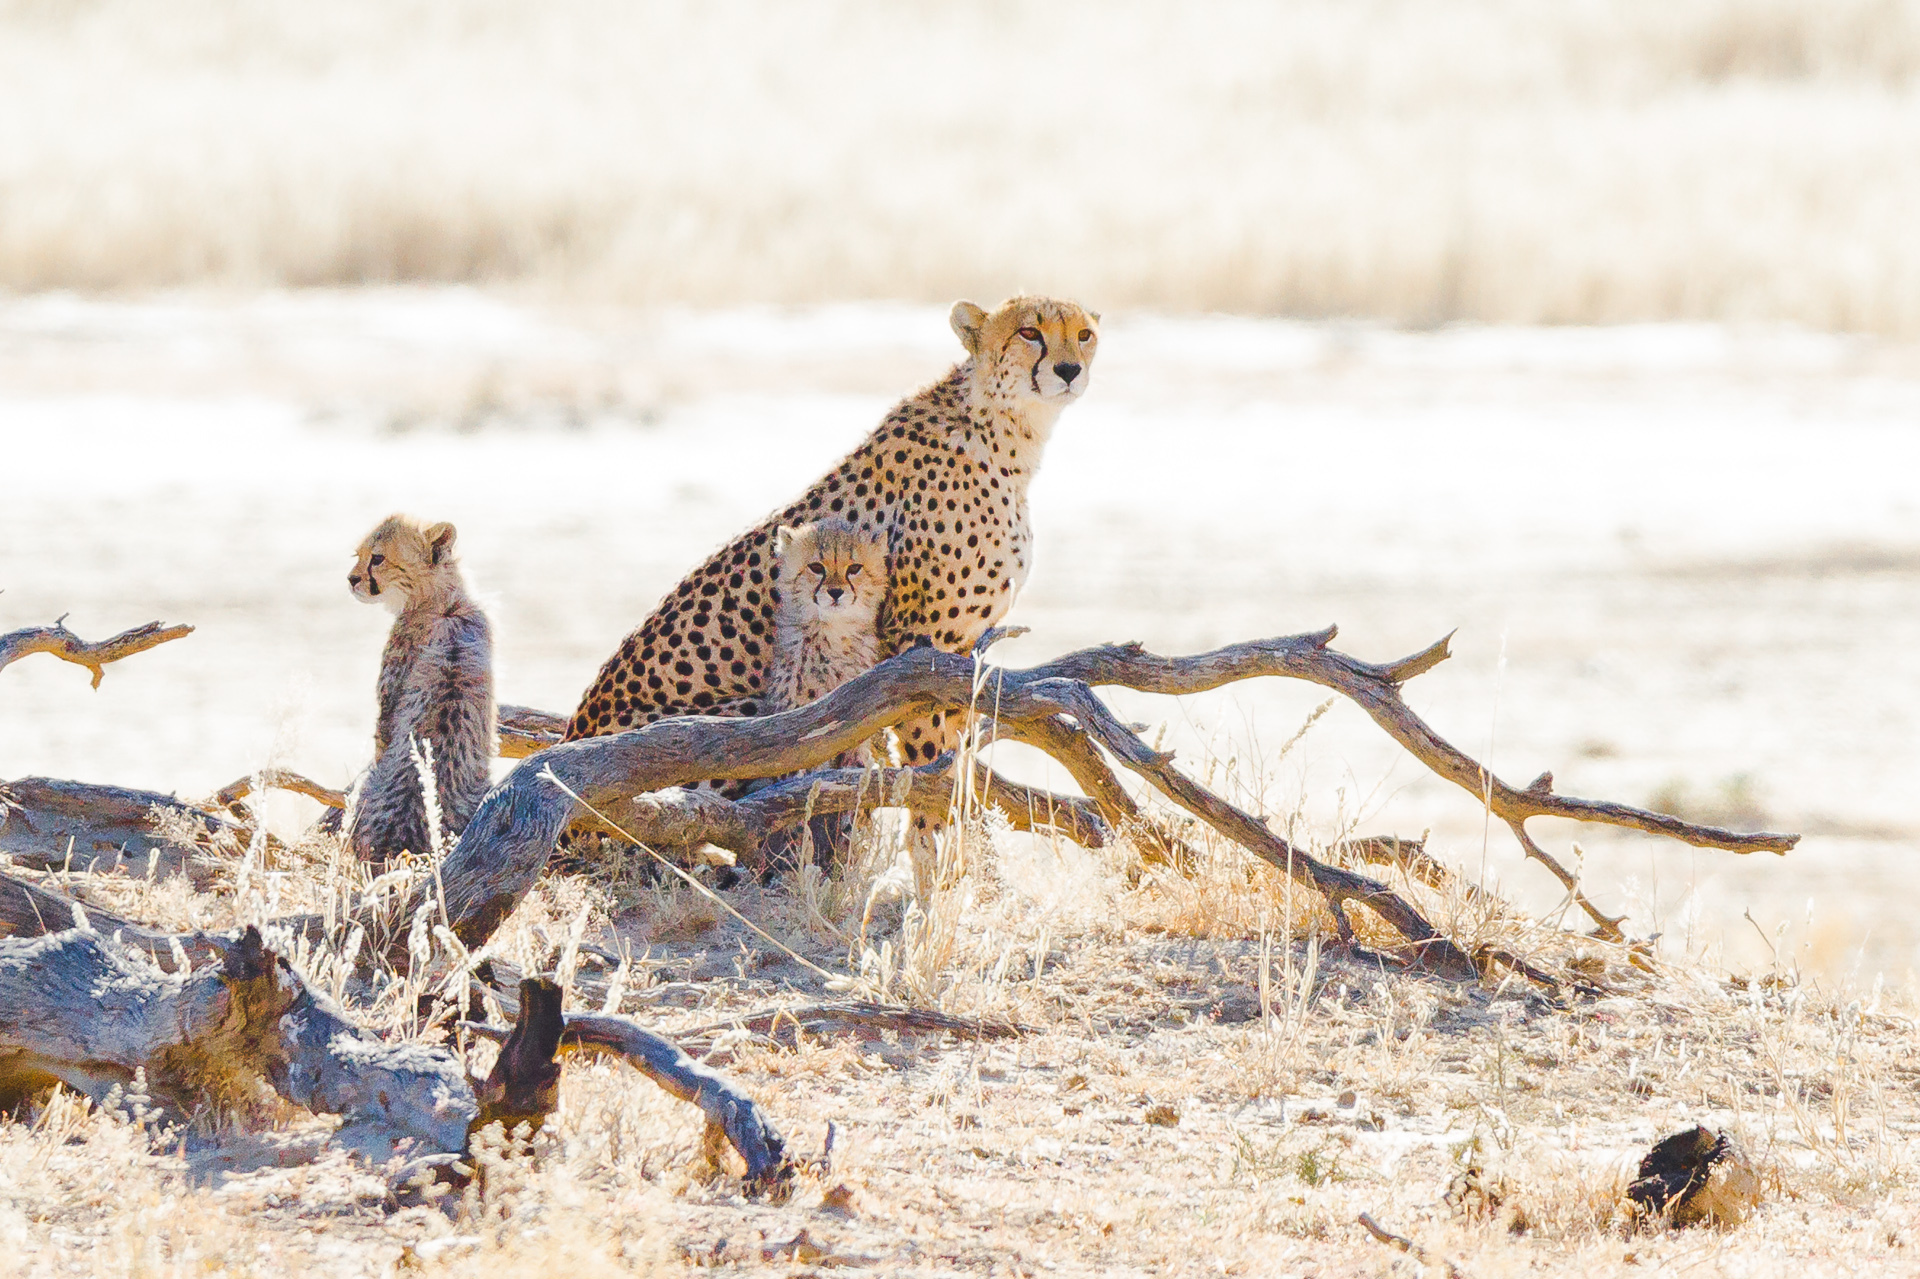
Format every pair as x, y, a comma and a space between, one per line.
1681, 561
1417, 160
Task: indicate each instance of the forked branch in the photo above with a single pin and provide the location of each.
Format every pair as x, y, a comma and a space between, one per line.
62, 643
1376, 690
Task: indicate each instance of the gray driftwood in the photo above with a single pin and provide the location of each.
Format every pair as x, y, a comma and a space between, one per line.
78, 1009
48, 823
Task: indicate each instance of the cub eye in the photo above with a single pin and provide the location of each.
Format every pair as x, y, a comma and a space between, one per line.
374, 561
1086, 335
852, 569
817, 567
1030, 333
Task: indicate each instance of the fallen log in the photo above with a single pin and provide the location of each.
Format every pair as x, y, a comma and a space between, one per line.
48, 823
80, 1009
77, 1009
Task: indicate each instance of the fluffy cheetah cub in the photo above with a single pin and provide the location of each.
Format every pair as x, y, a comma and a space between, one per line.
832, 580
436, 686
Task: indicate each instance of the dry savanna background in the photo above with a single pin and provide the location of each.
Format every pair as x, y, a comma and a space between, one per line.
1587, 332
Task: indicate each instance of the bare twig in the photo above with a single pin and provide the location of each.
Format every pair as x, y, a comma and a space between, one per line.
276, 779
1408, 1246
62, 643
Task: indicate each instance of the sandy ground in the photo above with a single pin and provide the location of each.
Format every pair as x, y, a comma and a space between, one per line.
1682, 561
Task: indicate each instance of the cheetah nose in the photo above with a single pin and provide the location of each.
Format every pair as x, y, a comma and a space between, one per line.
835, 592
1066, 371
353, 579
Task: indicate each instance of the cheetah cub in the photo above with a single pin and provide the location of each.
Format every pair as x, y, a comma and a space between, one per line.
832, 578
436, 687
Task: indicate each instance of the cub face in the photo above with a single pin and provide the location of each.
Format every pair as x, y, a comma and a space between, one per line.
831, 568
398, 558
1031, 347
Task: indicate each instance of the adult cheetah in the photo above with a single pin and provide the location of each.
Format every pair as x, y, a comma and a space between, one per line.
942, 480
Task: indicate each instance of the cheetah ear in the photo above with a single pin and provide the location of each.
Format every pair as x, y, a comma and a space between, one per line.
783, 538
966, 320
1095, 315
440, 542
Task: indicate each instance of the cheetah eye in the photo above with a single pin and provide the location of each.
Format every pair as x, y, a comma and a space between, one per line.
817, 567
1030, 333
1086, 335
374, 561
852, 569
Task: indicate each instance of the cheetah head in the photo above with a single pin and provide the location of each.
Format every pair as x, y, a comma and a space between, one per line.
831, 568
399, 558
1030, 347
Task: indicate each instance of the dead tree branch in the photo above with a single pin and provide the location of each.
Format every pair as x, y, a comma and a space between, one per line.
524, 730
1376, 690
62, 643
276, 779
77, 1008
506, 844
728, 1110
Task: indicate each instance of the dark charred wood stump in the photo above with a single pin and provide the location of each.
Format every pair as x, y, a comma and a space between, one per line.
1699, 1176
524, 1085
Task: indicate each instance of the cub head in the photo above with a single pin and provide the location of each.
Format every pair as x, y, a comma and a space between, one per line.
1033, 348
400, 558
831, 567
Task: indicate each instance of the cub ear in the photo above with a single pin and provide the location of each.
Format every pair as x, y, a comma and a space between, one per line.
783, 538
966, 320
440, 541
1095, 315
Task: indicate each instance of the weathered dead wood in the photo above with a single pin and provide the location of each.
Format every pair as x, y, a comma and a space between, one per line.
276, 779
524, 730
1376, 690
46, 822
62, 643
507, 843
81, 1008
729, 1111
78, 1009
